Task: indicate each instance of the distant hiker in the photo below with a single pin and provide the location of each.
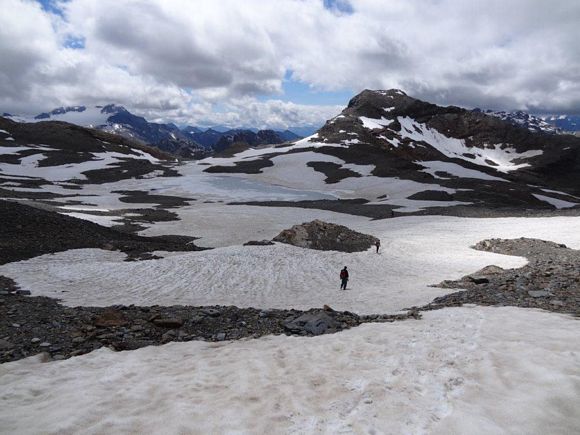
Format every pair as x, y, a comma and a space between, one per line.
378, 245
343, 278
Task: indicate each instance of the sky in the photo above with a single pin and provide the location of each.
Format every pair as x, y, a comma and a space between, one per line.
283, 63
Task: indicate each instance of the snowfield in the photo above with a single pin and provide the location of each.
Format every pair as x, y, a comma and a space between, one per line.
417, 252
470, 370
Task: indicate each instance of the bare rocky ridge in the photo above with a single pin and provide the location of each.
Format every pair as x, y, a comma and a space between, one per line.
325, 236
30, 325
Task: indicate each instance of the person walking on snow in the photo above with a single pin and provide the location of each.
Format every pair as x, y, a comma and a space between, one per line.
378, 245
343, 278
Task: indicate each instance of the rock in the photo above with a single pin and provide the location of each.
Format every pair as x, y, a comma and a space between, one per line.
220, 336
35, 340
168, 322
326, 237
478, 279
45, 344
312, 323
539, 293
110, 318
4, 293
5, 345
23, 292
212, 312
557, 303
169, 336
259, 243
489, 270
16, 325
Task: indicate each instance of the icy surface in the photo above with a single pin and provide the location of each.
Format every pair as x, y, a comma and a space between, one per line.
416, 253
469, 370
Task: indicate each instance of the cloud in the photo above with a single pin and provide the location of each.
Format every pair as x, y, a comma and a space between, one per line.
220, 60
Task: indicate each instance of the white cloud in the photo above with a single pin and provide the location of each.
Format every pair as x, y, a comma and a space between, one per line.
209, 60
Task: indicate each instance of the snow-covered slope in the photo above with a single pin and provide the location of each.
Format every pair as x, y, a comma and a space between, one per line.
385, 141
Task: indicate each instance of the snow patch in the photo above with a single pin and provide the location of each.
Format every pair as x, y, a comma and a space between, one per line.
497, 156
372, 123
558, 203
454, 169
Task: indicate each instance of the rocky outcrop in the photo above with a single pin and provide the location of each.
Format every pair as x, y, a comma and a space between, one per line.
325, 236
550, 281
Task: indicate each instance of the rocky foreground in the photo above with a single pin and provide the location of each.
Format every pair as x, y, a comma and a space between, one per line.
31, 325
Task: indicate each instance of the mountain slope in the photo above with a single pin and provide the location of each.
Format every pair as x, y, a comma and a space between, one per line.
49, 152
389, 148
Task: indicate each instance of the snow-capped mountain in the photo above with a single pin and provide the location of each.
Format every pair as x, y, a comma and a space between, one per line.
566, 123
388, 148
520, 118
116, 119
187, 142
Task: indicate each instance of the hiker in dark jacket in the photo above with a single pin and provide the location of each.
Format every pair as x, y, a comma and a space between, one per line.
343, 278
378, 245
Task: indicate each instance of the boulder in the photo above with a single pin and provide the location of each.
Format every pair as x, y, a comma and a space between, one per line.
110, 318
312, 323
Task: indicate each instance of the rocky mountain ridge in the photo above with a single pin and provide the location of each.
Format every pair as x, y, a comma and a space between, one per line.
186, 142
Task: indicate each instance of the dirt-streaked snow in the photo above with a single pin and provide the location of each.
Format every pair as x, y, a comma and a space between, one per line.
416, 253
464, 370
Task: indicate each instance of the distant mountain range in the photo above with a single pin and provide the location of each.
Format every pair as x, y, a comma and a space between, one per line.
187, 142
523, 119
567, 123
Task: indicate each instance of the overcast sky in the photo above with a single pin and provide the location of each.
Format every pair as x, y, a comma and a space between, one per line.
280, 63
